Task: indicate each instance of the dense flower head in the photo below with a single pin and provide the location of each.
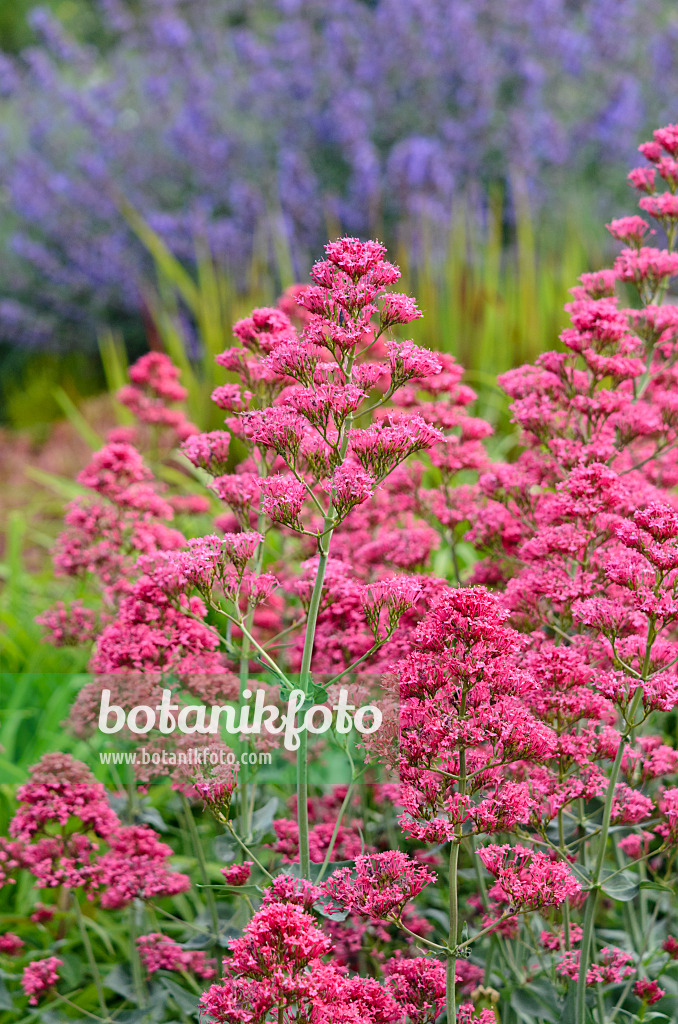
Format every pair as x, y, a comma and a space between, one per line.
529, 879
237, 874
208, 451
155, 370
114, 469
382, 885
135, 867
11, 944
62, 789
418, 985
614, 966
155, 383
69, 626
279, 936
160, 953
648, 991
39, 976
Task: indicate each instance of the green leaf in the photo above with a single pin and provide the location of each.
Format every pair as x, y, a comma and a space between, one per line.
6, 1001
77, 420
581, 874
529, 1008
262, 820
233, 890
568, 1014
656, 887
120, 980
622, 886
225, 848
186, 1001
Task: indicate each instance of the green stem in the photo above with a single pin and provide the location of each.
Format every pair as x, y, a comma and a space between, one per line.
453, 936
342, 811
592, 900
202, 865
304, 681
137, 973
244, 674
81, 1009
324, 541
89, 952
247, 850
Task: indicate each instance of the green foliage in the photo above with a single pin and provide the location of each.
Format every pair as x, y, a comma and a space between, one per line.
38, 683
495, 305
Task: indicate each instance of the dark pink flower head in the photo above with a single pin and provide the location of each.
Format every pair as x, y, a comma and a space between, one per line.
408, 361
157, 372
418, 985
237, 874
283, 499
382, 885
239, 547
39, 976
264, 329
398, 309
597, 285
11, 944
62, 789
135, 867
469, 616
648, 991
295, 891
208, 451
660, 521
113, 469
159, 953
668, 806
280, 937
666, 137
354, 257
614, 966
630, 230
69, 625
642, 178
467, 1014
646, 265
529, 879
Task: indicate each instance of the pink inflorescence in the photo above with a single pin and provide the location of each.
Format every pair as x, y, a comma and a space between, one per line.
39, 976
159, 953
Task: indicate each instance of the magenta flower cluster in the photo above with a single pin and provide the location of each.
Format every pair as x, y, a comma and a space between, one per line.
520, 618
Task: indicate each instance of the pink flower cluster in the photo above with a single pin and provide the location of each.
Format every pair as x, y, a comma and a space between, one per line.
39, 976
158, 953
68, 835
155, 384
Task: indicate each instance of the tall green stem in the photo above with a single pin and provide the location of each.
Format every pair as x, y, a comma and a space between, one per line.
244, 677
89, 952
135, 961
204, 874
324, 542
453, 936
596, 874
304, 681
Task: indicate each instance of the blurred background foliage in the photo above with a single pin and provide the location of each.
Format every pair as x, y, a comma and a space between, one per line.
483, 141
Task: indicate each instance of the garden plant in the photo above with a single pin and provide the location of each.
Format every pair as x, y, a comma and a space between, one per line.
470, 812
